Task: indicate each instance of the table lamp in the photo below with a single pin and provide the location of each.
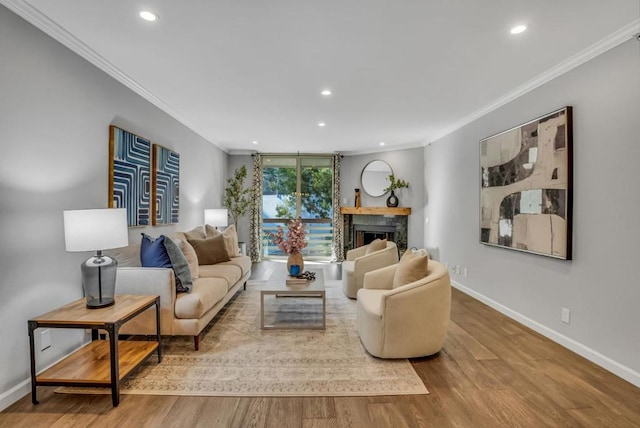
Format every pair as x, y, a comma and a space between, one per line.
97, 230
218, 217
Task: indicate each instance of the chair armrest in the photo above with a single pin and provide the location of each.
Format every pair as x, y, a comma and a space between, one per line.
375, 260
381, 279
356, 252
425, 300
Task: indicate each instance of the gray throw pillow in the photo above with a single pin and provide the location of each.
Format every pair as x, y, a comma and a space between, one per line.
184, 282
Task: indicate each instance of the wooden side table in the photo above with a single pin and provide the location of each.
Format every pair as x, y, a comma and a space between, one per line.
101, 363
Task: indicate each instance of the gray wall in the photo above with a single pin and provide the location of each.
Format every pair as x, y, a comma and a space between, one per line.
600, 286
407, 165
55, 112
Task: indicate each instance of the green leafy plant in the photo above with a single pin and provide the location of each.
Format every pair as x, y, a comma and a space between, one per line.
395, 184
237, 198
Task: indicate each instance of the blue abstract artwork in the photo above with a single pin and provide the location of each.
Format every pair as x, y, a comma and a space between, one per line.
130, 177
166, 185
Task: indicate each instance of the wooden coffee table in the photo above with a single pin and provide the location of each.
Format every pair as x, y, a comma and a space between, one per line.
277, 287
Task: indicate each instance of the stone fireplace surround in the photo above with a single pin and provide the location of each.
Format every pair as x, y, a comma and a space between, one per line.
363, 225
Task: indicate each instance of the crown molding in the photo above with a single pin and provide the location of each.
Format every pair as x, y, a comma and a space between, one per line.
32, 15
622, 35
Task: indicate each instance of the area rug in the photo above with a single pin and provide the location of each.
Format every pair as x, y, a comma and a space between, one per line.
237, 358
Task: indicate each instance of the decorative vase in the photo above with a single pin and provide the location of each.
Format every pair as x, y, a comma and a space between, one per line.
392, 200
295, 264
357, 199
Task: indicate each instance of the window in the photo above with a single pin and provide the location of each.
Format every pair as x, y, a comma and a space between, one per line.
298, 186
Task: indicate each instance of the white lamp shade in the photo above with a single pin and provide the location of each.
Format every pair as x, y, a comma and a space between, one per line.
93, 230
216, 217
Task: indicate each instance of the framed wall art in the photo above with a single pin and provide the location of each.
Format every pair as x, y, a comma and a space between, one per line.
166, 185
129, 175
526, 186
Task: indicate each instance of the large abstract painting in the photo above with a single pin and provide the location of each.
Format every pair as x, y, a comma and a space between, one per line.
129, 175
525, 196
166, 185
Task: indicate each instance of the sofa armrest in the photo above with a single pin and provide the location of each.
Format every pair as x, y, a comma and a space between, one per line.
381, 279
154, 281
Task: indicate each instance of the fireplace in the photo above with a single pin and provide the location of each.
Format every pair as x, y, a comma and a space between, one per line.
369, 223
363, 234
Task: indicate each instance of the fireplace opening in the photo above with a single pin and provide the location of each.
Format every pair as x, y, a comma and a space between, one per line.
364, 234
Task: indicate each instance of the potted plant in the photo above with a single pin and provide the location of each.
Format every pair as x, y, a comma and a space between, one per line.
392, 200
237, 198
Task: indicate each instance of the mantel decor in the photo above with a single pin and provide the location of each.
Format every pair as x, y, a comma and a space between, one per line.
526, 185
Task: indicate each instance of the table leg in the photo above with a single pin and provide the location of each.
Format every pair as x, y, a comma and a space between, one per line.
158, 335
112, 329
32, 326
324, 310
262, 310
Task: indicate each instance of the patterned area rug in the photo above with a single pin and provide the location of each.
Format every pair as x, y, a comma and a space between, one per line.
237, 358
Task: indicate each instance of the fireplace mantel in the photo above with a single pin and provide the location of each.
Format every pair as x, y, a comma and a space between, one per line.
375, 210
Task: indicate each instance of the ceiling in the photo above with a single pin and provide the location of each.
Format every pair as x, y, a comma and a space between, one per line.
402, 72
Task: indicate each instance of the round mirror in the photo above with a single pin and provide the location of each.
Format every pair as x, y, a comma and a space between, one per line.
374, 177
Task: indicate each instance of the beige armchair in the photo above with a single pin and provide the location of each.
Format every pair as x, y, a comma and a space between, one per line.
408, 321
362, 260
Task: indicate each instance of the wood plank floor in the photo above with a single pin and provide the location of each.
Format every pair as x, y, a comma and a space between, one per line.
492, 372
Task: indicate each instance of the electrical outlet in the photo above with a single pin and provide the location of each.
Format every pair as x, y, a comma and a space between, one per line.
566, 316
45, 339
465, 272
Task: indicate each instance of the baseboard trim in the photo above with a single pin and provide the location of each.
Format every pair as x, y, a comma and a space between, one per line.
9, 397
596, 357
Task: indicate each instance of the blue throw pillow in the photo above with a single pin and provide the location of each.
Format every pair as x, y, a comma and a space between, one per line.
153, 253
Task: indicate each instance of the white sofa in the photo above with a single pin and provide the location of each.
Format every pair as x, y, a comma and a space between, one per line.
360, 261
184, 314
408, 321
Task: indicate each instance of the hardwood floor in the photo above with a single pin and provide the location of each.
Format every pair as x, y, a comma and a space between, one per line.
492, 372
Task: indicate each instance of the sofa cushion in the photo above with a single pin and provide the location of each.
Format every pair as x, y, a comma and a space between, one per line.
128, 256
210, 251
206, 292
243, 262
180, 265
229, 272
196, 233
230, 238
376, 245
191, 256
153, 253
411, 267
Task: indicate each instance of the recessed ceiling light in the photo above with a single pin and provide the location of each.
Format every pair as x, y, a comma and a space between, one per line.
326, 92
382, 143
148, 16
321, 124
254, 142
518, 29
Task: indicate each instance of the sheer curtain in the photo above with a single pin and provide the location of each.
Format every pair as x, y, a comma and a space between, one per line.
256, 211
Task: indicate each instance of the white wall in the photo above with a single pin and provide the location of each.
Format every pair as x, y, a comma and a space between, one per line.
244, 224
55, 112
407, 165
600, 286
